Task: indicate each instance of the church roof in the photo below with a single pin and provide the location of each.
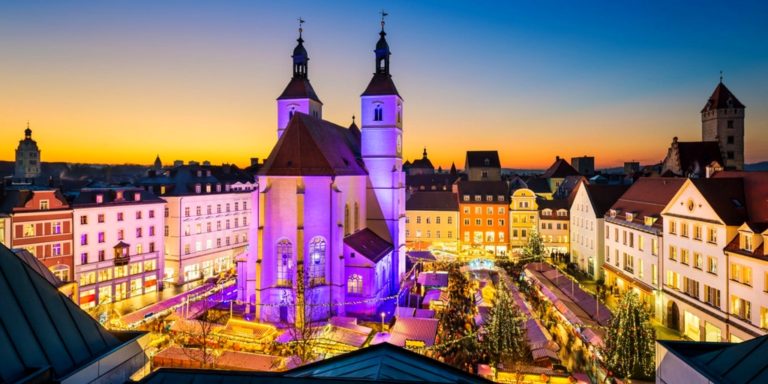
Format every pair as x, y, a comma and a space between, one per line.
722, 98
299, 88
42, 332
369, 244
479, 159
381, 84
422, 163
560, 169
313, 147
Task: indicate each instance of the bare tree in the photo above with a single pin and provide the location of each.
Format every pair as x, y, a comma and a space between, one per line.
304, 334
197, 337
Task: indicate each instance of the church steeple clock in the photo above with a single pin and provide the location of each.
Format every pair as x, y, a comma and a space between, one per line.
298, 96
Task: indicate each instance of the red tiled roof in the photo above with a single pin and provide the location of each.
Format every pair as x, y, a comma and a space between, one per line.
369, 244
648, 196
755, 190
381, 84
313, 147
722, 98
299, 88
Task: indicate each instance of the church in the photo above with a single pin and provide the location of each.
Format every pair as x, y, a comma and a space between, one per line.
328, 231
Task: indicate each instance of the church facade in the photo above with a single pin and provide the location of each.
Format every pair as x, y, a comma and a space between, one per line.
328, 232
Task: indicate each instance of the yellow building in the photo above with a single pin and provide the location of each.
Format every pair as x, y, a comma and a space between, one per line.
554, 226
432, 219
523, 217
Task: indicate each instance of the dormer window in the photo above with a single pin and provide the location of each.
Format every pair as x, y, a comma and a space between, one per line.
501, 197
218, 187
197, 188
649, 221
478, 198
199, 173
291, 112
99, 198
547, 212
629, 216
613, 213
562, 213
137, 196
466, 197
207, 188
162, 189
488, 198
746, 241
119, 195
378, 113
44, 205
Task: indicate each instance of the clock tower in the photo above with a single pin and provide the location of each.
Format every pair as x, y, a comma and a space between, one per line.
382, 147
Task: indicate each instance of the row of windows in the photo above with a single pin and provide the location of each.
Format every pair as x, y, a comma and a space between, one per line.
488, 222
428, 219
695, 260
30, 229
209, 209
120, 216
479, 237
685, 229
429, 234
559, 226
631, 264
488, 210
488, 198
209, 226
108, 274
209, 243
101, 236
118, 252
628, 239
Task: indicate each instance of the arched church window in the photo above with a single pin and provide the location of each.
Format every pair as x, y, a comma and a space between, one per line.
357, 216
378, 113
399, 113
284, 263
291, 112
346, 219
317, 260
355, 284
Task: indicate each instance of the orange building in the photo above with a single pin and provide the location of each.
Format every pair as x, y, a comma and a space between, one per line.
41, 223
483, 215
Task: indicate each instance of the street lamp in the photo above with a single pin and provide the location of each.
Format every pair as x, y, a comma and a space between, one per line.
382, 322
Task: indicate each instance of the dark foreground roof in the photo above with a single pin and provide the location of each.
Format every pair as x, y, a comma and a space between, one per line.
604, 196
381, 363
744, 362
313, 147
369, 244
42, 332
726, 196
432, 201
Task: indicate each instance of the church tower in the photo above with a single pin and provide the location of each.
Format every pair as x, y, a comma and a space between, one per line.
722, 120
27, 157
298, 96
381, 147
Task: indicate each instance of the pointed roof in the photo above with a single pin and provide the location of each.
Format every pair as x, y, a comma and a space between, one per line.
604, 196
314, 147
299, 88
381, 84
482, 159
42, 332
355, 129
723, 362
560, 169
648, 196
726, 197
722, 98
369, 244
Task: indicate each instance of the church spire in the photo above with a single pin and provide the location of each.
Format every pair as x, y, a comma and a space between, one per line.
382, 49
27, 132
381, 83
300, 57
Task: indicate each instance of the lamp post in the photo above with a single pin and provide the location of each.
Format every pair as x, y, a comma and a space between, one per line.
382, 322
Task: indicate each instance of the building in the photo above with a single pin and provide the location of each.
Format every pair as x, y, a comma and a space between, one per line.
722, 121
207, 214
482, 166
692, 159
119, 244
421, 166
547, 184
634, 238
554, 226
590, 203
27, 165
523, 218
484, 215
41, 223
330, 205
46, 338
585, 165
432, 220
712, 362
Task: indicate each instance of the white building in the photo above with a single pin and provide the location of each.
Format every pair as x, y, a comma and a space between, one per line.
206, 219
590, 203
118, 246
634, 240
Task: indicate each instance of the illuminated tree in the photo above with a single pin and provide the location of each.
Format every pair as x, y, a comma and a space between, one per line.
504, 338
304, 334
457, 330
630, 341
534, 249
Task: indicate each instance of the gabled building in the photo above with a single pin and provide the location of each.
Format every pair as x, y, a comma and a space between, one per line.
523, 218
482, 166
432, 219
694, 159
421, 166
587, 214
634, 239
548, 183
554, 226
484, 215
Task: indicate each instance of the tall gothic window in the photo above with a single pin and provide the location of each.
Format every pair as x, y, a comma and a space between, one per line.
355, 284
346, 219
357, 216
284, 263
378, 113
291, 112
317, 260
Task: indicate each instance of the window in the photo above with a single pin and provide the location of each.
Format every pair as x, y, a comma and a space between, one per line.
501, 222
478, 210
697, 232
44, 205
138, 215
654, 274
684, 256
418, 219
100, 218
763, 317
84, 258
673, 280
712, 265
712, 296
450, 234
729, 123
317, 261
629, 263
186, 211
466, 197
741, 273
691, 287
56, 248
57, 227
712, 235
489, 198
84, 239
747, 242
151, 213
102, 255
437, 234
198, 210
466, 221
489, 222
640, 243
83, 220
101, 237
684, 229
698, 261
654, 246
119, 216
284, 263
346, 220
450, 220
489, 210
672, 253
120, 234
166, 231
672, 227
152, 230
741, 308
355, 284
478, 222
429, 233
378, 113
428, 220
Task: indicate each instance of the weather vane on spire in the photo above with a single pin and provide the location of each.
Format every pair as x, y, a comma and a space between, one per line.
721, 75
301, 22
383, 15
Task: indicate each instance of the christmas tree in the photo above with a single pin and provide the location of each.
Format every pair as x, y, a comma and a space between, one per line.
534, 249
457, 329
504, 338
630, 341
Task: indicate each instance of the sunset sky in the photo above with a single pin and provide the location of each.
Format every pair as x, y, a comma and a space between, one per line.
122, 81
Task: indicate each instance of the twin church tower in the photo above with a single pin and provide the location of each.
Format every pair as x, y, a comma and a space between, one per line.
330, 238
